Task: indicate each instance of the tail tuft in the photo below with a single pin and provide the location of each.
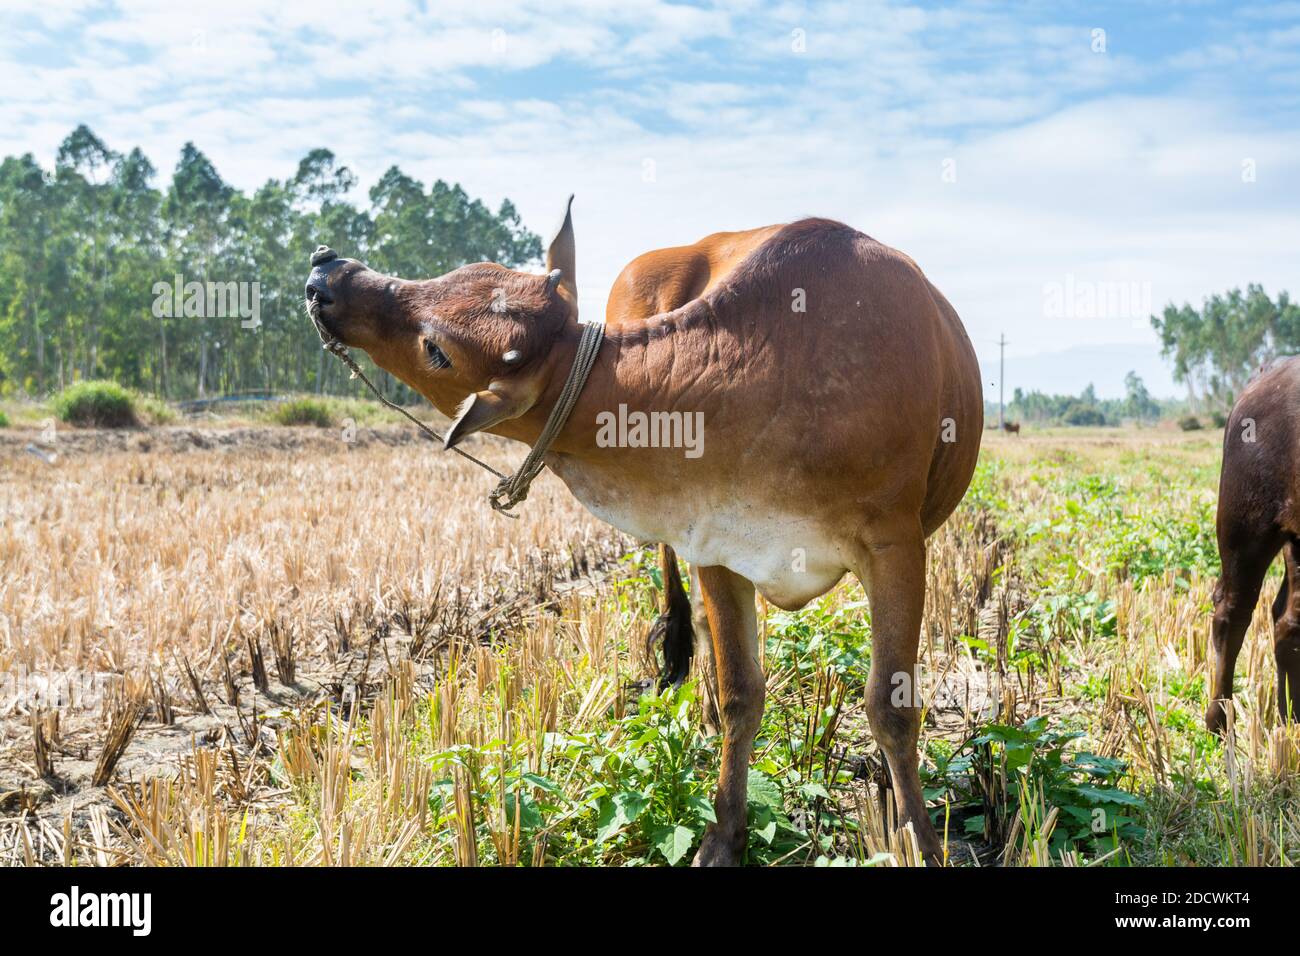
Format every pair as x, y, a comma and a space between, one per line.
672, 631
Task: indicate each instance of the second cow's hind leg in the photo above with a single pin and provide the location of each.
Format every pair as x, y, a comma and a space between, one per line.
1286, 635
1235, 597
733, 624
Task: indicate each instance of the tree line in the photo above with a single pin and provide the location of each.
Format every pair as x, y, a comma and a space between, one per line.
1085, 408
1215, 351
195, 287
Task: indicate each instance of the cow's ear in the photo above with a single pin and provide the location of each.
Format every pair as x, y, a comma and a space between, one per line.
561, 255
500, 401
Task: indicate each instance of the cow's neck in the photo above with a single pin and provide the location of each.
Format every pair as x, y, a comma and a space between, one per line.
528, 426
632, 368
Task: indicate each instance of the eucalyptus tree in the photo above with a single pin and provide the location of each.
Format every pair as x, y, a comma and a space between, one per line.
1217, 348
196, 213
84, 247
32, 278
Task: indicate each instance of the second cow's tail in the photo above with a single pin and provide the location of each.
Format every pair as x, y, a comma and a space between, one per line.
672, 631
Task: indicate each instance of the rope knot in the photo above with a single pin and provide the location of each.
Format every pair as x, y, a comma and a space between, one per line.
506, 495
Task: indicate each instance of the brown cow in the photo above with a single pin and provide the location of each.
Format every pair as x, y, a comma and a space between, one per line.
841, 412
1259, 515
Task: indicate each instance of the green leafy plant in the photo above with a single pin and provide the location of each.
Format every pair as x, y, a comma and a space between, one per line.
828, 633
634, 793
1182, 542
999, 772
795, 782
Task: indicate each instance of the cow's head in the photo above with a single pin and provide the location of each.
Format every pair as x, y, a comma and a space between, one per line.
476, 342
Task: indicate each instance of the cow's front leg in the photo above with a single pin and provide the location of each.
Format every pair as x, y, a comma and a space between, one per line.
729, 602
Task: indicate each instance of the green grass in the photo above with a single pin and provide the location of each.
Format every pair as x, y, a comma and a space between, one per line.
327, 411
154, 411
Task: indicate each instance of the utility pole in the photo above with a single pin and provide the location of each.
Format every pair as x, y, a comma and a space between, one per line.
1002, 365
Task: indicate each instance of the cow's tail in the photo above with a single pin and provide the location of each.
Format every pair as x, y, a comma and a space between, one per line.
673, 632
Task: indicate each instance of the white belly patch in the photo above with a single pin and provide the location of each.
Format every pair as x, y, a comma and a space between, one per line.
791, 559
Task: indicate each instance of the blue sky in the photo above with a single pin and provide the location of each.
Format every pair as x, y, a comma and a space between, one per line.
1111, 157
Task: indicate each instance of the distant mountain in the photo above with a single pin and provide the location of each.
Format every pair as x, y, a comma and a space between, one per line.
1069, 372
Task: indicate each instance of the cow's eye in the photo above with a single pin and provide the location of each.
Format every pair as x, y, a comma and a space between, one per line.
437, 357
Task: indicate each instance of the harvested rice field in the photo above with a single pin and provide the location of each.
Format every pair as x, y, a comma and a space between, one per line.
267, 646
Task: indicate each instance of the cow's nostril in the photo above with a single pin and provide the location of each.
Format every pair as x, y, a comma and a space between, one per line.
317, 292
323, 261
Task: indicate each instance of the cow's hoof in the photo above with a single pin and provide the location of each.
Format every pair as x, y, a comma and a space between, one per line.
717, 850
1216, 718
927, 841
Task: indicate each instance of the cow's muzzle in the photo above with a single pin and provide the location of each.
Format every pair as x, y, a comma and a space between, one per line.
323, 261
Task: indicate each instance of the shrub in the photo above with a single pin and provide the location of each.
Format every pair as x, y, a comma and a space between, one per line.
1084, 414
1220, 420
304, 411
154, 410
324, 411
4, 420
1189, 423
97, 403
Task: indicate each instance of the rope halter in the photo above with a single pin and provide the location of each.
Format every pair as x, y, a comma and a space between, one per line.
510, 490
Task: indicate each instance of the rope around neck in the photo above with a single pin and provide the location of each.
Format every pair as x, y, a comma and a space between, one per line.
511, 489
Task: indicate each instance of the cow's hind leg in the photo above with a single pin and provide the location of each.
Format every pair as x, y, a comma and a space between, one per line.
702, 663
1286, 635
892, 570
729, 602
1245, 563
